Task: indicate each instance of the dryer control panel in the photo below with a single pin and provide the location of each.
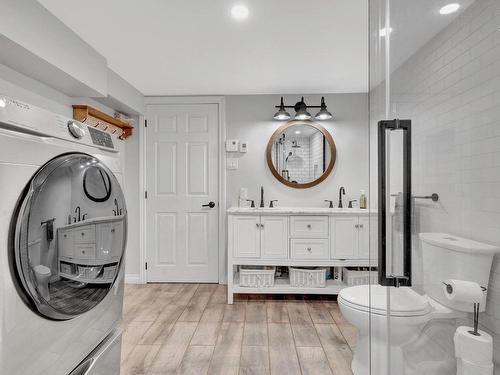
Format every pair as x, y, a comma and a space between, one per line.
24, 117
100, 138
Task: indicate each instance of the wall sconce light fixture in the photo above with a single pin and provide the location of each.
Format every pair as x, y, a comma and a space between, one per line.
301, 112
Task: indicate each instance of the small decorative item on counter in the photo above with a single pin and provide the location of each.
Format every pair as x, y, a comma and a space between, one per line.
362, 200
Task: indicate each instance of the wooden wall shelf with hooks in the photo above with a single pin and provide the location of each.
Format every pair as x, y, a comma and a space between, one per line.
101, 120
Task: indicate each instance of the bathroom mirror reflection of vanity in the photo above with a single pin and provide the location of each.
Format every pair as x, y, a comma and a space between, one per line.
301, 154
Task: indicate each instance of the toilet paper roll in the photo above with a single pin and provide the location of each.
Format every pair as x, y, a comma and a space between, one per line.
463, 291
475, 350
467, 368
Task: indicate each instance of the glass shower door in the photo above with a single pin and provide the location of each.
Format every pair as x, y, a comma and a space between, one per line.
434, 167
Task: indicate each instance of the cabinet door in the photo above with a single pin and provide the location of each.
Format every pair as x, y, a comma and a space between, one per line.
368, 239
344, 237
246, 236
274, 237
117, 240
109, 240
65, 245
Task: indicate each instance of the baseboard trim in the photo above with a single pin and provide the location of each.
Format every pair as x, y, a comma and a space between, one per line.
133, 279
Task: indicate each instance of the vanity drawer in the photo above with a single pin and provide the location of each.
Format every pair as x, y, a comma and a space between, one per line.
309, 226
85, 251
311, 248
84, 234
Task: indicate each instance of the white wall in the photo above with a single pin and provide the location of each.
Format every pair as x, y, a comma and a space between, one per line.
451, 90
250, 118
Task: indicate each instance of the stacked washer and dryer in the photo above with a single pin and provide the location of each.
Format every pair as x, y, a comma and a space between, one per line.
63, 227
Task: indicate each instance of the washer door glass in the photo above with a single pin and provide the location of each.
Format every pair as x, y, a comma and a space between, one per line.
69, 236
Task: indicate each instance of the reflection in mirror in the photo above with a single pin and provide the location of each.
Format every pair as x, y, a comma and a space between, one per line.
96, 184
69, 239
301, 154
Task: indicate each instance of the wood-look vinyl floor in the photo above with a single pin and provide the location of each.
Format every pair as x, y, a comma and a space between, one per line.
189, 329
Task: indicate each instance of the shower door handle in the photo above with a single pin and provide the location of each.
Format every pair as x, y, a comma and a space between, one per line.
383, 278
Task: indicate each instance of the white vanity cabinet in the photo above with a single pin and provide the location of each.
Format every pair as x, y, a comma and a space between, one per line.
298, 237
351, 237
89, 251
274, 237
255, 236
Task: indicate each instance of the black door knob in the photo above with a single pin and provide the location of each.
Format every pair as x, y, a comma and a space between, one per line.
209, 204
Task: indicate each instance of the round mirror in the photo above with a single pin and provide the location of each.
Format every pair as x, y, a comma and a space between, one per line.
96, 184
301, 154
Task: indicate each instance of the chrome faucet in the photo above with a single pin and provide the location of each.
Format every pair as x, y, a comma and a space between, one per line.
261, 197
341, 191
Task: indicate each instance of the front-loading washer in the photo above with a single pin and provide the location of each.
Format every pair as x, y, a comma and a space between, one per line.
63, 229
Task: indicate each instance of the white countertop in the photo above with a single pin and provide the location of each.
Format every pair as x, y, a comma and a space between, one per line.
94, 220
299, 211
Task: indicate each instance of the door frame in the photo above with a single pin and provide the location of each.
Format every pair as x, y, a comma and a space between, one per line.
221, 241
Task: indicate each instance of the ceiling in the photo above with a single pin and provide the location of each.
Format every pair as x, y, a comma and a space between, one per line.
194, 47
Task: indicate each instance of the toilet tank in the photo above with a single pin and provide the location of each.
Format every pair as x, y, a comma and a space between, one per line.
447, 256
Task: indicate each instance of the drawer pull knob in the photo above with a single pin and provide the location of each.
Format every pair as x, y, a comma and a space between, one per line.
83, 251
309, 249
257, 225
113, 230
308, 226
83, 234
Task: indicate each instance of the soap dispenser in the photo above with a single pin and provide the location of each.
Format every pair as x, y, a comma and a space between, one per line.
362, 200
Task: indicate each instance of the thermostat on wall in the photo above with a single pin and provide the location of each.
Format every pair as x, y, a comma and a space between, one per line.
243, 147
232, 145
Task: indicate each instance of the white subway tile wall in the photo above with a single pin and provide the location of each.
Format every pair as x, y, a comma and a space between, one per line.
451, 90
298, 162
316, 155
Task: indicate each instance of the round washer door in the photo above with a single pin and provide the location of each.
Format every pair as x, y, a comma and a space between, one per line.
68, 236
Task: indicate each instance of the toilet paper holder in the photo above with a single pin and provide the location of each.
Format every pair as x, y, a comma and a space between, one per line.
449, 288
475, 314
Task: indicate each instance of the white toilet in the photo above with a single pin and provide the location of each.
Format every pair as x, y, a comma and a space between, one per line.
42, 276
365, 306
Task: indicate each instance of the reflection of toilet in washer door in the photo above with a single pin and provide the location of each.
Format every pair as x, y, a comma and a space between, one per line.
42, 276
38, 250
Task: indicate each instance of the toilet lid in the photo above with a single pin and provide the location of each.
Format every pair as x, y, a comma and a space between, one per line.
404, 301
42, 270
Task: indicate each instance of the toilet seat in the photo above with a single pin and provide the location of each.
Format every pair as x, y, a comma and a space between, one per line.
372, 299
42, 270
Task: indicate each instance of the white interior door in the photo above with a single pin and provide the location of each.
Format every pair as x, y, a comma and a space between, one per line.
181, 177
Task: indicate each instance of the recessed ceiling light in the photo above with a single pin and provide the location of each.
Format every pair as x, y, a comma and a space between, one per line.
383, 32
450, 8
239, 12
297, 131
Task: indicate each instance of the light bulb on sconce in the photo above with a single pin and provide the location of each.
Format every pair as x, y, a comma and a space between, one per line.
282, 114
323, 114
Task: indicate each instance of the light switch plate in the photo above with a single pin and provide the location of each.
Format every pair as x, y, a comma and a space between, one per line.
243, 146
232, 163
232, 145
